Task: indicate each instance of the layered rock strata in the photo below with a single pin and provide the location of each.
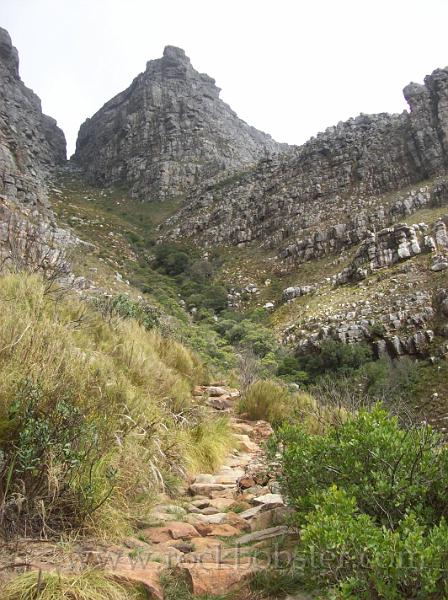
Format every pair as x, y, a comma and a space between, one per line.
31, 143
167, 131
31, 146
327, 194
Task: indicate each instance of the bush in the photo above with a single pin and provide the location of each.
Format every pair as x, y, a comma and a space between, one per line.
344, 548
201, 271
314, 417
389, 380
335, 357
266, 400
248, 335
289, 370
213, 297
171, 259
370, 499
388, 470
125, 307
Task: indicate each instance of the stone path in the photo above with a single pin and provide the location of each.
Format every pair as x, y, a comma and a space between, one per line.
212, 535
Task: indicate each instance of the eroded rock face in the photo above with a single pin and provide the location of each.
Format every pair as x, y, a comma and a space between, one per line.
167, 131
392, 245
327, 194
31, 143
31, 146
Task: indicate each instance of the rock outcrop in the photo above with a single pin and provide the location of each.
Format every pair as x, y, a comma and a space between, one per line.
392, 306
395, 244
31, 146
328, 193
397, 322
167, 131
31, 143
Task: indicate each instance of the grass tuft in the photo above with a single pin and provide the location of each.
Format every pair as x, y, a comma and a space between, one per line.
90, 585
267, 400
208, 445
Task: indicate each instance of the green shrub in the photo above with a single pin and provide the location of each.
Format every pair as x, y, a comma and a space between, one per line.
171, 259
289, 370
377, 330
371, 501
201, 271
125, 307
213, 297
336, 357
49, 440
389, 380
248, 335
388, 470
344, 548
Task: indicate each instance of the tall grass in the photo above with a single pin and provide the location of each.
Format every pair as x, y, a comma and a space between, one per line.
271, 401
266, 400
209, 442
93, 414
90, 585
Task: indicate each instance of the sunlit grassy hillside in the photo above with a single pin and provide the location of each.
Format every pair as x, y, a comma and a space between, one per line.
96, 414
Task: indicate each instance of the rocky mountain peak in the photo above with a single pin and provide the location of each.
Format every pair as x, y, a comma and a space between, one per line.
175, 54
166, 132
9, 56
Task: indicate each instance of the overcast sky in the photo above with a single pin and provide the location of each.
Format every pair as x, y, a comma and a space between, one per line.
288, 67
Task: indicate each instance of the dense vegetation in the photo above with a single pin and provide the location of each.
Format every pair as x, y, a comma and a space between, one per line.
96, 412
371, 501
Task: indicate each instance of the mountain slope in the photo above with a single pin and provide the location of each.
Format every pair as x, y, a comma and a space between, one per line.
168, 130
325, 195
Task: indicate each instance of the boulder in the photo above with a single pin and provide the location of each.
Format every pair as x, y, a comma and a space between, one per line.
181, 531
157, 535
213, 579
263, 534
148, 577
270, 499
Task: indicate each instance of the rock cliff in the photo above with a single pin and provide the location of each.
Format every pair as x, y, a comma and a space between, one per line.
31, 143
328, 193
167, 131
31, 146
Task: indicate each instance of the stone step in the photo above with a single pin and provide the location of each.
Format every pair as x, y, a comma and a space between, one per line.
262, 534
148, 577
212, 579
205, 489
246, 444
269, 499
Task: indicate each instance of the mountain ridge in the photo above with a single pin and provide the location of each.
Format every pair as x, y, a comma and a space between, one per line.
166, 131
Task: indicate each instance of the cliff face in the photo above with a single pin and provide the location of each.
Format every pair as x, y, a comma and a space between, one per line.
31, 143
31, 146
327, 193
166, 132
